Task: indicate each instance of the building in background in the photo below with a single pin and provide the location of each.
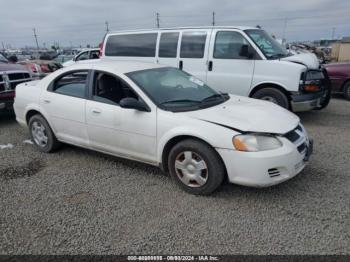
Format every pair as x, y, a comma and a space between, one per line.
341, 50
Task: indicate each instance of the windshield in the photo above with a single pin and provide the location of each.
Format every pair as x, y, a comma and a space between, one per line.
175, 90
3, 59
268, 45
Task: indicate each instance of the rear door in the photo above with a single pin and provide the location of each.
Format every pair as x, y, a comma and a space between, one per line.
168, 48
64, 102
194, 52
228, 71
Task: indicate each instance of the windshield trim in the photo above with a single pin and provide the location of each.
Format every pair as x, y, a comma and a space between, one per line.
186, 108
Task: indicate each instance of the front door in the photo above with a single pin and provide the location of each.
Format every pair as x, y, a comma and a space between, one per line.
126, 132
228, 71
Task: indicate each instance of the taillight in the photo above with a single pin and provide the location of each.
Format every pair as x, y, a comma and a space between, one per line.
101, 49
32, 68
45, 69
101, 46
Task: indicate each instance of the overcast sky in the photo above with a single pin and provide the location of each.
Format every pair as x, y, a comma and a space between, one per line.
81, 22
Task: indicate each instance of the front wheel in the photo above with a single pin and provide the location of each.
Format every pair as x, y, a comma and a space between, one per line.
273, 95
196, 167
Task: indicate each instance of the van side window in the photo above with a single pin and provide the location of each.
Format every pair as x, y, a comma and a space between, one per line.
193, 44
72, 84
110, 89
228, 45
168, 44
141, 45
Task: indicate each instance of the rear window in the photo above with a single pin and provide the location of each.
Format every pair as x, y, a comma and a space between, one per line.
141, 45
193, 44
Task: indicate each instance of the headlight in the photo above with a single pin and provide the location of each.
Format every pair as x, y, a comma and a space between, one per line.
255, 142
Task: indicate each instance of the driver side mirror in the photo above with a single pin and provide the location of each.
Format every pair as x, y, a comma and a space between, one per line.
132, 103
246, 51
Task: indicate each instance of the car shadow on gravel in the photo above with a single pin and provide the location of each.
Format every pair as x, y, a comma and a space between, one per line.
132, 164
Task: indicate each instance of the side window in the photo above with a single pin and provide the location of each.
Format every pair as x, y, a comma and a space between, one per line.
83, 56
95, 54
168, 44
228, 45
72, 84
193, 44
141, 45
110, 89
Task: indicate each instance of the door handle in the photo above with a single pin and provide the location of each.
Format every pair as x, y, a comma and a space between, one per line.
96, 111
210, 66
181, 64
46, 101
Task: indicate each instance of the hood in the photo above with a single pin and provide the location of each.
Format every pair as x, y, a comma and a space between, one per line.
11, 67
249, 115
309, 60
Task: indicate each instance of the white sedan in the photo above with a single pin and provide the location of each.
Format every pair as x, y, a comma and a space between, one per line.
168, 118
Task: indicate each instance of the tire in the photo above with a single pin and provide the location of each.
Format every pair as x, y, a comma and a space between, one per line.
347, 91
199, 172
273, 95
40, 131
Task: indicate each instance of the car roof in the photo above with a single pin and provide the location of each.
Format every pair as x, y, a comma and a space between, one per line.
185, 28
122, 67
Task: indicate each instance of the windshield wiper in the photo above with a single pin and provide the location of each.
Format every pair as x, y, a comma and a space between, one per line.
180, 101
213, 97
276, 56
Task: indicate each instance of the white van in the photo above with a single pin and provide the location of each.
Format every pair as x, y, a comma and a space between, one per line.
245, 61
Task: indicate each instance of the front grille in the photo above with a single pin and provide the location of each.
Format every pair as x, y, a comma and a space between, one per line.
9, 81
292, 136
302, 148
298, 137
273, 172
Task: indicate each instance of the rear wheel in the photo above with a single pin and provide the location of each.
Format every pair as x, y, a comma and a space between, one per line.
42, 135
273, 95
347, 90
196, 167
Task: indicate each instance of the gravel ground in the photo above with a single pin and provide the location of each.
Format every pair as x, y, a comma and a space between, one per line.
81, 202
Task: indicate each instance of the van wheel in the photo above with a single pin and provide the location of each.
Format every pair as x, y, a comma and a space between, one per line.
347, 91
42, 136
273, 95
196, 167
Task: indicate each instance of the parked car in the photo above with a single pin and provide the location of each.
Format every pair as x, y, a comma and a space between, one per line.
239, 60
339, 74
165, 117
87, 54
41, 68
10, 76
63, 58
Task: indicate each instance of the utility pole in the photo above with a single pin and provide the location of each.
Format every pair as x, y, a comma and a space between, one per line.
107, 27
213, 22
284, 29
157, 20
333, 33
36, 38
